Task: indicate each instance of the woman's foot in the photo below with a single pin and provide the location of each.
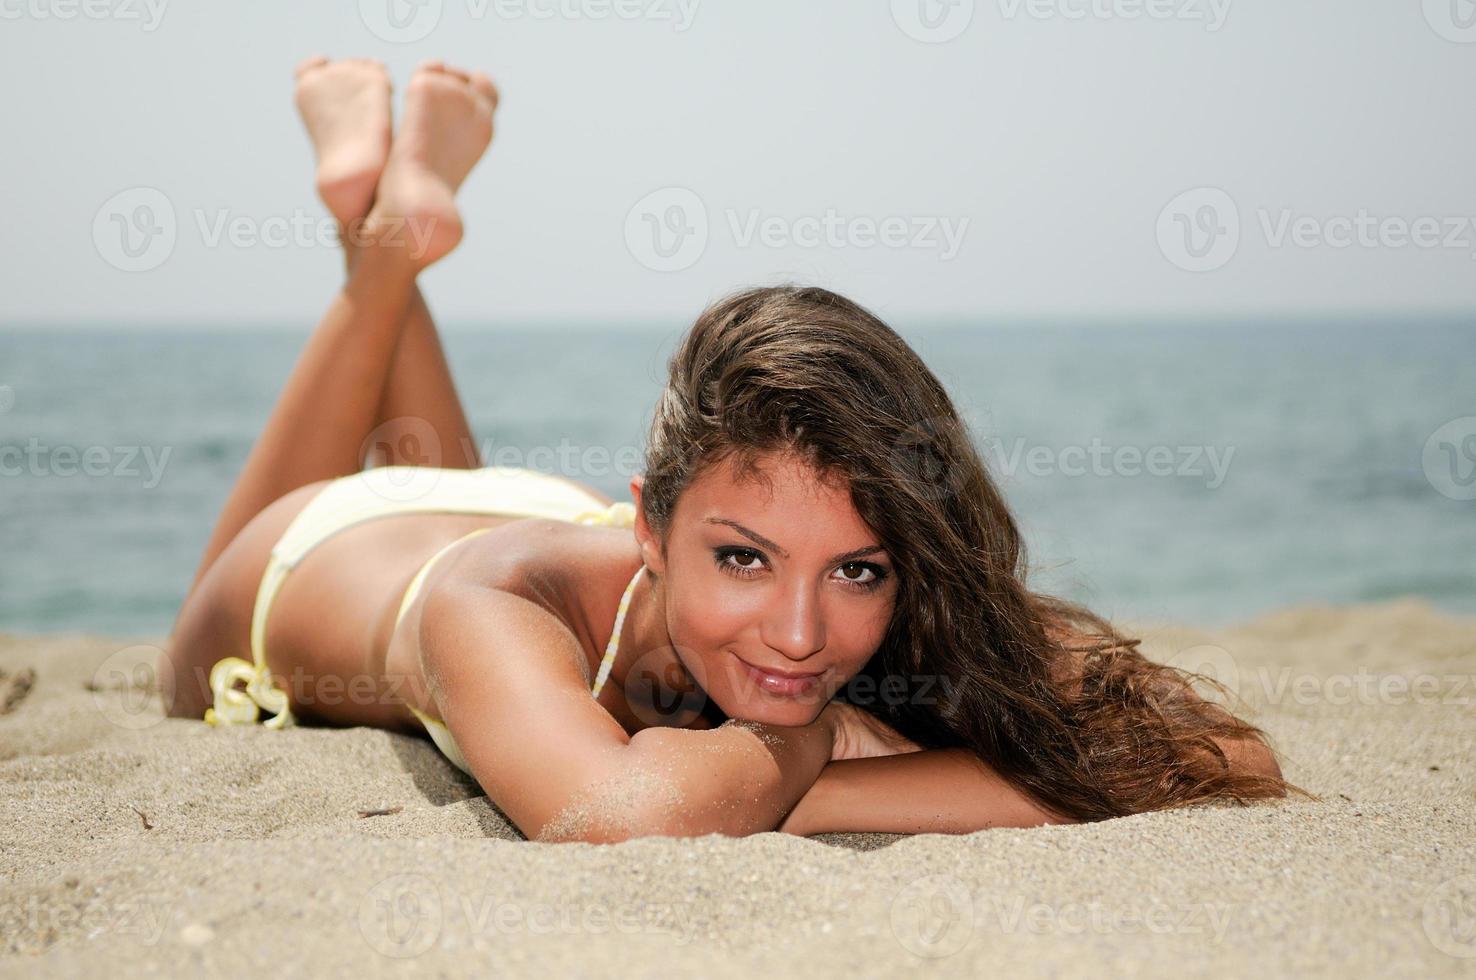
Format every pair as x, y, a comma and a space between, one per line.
346, 108
446, 127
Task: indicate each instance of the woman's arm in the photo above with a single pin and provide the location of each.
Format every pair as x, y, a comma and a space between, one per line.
943, 791
936, 791
516, 700
737, 779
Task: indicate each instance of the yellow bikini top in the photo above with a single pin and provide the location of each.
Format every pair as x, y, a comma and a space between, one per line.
620, 514
441, 735
611, 648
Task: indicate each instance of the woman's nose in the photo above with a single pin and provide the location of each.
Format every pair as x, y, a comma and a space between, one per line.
794, 623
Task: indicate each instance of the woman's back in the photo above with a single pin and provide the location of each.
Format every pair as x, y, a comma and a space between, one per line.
314, 584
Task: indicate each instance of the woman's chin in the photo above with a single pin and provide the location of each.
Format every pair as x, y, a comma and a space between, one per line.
786, 712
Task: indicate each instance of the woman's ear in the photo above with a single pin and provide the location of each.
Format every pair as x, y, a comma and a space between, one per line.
649, 544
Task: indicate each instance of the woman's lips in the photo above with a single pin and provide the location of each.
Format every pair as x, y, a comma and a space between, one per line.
778, 684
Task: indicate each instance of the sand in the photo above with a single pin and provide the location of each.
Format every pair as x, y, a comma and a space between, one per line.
133, 844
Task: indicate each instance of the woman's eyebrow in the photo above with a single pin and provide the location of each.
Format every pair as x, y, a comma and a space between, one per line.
759, 539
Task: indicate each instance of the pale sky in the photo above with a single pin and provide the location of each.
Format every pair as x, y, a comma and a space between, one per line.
973, 160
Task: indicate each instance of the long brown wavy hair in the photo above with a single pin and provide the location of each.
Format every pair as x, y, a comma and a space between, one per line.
1045, 692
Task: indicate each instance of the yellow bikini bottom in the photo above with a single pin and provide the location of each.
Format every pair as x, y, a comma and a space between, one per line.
243, 689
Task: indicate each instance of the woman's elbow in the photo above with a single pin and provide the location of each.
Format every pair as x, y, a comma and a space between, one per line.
641, 821
1251, 757
601, 821
611, 833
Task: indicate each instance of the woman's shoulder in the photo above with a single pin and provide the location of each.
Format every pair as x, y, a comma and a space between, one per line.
558, 564
569, 571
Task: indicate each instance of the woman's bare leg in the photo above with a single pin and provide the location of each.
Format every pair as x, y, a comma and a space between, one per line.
420, 398
332, 399
345, 106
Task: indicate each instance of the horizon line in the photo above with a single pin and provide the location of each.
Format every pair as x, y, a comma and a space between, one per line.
657, 323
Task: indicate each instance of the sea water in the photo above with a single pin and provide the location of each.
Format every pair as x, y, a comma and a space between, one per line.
1190, 471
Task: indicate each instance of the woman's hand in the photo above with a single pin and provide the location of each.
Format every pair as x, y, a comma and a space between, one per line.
860, 735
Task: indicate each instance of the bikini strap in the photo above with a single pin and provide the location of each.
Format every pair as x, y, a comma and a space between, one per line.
613, 647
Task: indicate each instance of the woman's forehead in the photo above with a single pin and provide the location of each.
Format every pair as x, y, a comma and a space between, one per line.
774, 477
787, 499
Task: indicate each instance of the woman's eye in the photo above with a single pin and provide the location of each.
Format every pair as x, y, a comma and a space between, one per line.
743, 560
746, 563
877, 574
735, 561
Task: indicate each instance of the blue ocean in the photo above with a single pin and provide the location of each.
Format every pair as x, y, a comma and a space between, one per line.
1202, 472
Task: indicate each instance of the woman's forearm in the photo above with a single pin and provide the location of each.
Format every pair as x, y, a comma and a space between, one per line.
939, 791
737, 779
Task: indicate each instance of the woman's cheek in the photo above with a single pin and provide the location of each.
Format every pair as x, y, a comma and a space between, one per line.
713, 612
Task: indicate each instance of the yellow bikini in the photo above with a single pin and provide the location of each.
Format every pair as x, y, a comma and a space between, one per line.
381, 492
435, 727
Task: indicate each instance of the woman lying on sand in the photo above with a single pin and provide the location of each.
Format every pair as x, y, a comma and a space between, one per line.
812, 522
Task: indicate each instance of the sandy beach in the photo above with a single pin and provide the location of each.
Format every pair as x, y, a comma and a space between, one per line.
132, 844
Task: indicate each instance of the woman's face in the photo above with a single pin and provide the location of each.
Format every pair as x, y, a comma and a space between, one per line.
775, 597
